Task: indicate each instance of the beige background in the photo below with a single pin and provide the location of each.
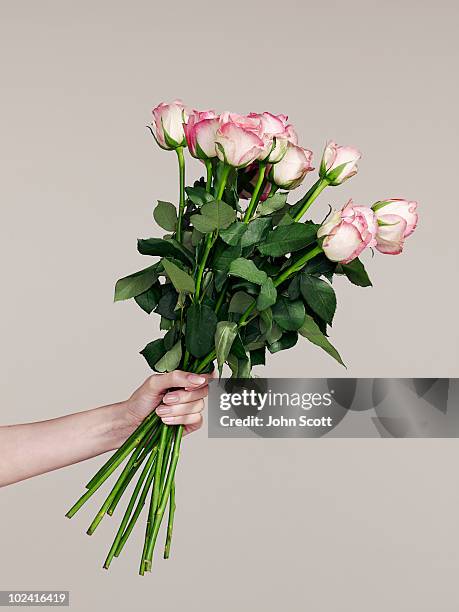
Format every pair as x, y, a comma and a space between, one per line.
323, 525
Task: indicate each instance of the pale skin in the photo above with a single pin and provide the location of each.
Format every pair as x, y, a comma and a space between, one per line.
31, 449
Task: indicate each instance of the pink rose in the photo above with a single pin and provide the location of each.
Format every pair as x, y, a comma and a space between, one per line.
291, 134
246, 122
236, 145
200, 132
397, 219
338, 163
402, 208
351, 209
347, 232
168, 124
391, 234
293, 167
198, 115
276, 133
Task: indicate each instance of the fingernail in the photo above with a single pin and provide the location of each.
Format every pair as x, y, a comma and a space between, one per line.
163, 411
196, 380
168, 420
170, 398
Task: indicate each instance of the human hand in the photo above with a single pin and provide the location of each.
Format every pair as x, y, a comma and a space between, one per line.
177, 397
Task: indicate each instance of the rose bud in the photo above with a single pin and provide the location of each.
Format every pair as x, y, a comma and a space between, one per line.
391, 234
347, 232
168, 125
397, 219
402, 208
293, 167
200, 135
237, 146
338, 163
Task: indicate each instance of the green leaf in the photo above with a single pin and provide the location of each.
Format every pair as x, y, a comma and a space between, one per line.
201, 322
266, 321
166, 324
256, 231
356, 273
240, 302
196, 237
293, 290
238, 348
232, 235
257, 357
171, 359
135, 284
320, 266
267, 296
273, 334
170, 339
167, 303
244, 367
245, 268
289, 315
225, 334
153, 352
286, 341
198, 195
288, 238
286, 220
224, 255
273, 203
215, 215
182, 281
148, 300
319, 296
219, 280
164, 248
311, 331
165, 215
256, 344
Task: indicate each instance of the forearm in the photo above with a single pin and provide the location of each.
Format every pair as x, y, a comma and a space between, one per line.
35, 448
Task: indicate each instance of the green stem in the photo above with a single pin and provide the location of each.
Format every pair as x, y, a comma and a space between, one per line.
151, 474
205, 362
202, 265
130, 507
181, 162
167, 452
170, 522
296, 267
144, 454
256, 193
208, 163
165, 496
210, 238
224, 178
186, 359
221, 297
309, 198
155, 496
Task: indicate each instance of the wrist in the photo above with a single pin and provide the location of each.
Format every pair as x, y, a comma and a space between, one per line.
118, 425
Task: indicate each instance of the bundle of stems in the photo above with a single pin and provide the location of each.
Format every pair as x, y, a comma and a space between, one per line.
154, 447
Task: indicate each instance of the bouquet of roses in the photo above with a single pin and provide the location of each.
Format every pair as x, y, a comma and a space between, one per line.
233, 280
